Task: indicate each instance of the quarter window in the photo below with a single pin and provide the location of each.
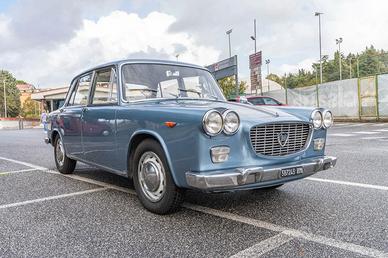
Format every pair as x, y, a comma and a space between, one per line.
80, 95
105, 90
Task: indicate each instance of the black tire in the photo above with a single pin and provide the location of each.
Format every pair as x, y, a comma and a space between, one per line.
172, 196
67, 166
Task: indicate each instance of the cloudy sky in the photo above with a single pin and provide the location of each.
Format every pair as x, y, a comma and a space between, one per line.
47, 42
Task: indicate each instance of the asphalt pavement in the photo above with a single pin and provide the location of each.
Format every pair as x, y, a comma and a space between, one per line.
342, 212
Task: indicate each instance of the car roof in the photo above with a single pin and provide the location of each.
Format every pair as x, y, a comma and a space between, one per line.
141, 61
256, 97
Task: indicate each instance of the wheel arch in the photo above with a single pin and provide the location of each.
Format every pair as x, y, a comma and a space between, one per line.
136, 139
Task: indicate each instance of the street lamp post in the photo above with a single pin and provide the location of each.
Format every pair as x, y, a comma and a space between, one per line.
230, 50
320, 44
267, 61
338, 42
254, 33
5, 95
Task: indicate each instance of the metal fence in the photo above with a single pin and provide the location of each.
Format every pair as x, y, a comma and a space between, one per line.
358, 98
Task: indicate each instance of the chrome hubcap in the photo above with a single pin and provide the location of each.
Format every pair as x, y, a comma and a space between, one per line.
152, 177
60, 152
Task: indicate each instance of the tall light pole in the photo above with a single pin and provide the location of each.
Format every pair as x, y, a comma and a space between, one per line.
5, 95
177, 56
320, 44
350, 70
254, 33
338, 42
230, 50
267, 61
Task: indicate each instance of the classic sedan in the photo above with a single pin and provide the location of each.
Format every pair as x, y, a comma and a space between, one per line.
168, 127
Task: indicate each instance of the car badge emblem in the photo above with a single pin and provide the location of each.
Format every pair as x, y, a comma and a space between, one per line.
283, 139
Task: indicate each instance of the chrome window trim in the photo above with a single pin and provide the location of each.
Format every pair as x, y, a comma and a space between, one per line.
120, 71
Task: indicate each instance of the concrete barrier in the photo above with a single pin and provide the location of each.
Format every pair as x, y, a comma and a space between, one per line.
19, 123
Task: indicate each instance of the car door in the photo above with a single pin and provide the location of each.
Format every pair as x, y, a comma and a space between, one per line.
99, 120
71, 115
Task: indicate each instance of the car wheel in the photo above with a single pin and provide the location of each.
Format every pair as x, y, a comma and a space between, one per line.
152, 179
64, 164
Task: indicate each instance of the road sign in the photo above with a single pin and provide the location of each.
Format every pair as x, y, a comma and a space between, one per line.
224, 68
255, 60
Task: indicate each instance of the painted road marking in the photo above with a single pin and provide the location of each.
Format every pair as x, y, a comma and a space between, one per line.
24, 163
366, 132
290, 232
376, 187
341, 134
55, 197
17, 171
264, 246
381, 130
257, 223
372, 138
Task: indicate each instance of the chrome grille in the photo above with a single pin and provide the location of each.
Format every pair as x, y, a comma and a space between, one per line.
265, 138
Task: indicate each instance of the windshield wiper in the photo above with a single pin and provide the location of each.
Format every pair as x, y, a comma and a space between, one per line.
191, 90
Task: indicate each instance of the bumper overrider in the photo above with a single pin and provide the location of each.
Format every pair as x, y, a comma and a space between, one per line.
256, 177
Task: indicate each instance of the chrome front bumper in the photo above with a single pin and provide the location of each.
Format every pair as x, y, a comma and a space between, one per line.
255, 176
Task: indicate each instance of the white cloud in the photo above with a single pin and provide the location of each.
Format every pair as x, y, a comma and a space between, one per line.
118, 35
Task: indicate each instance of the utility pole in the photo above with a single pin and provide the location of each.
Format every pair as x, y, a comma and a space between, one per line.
320, 44
358, 68
267, 61
338, 42
5, 95
285, 87
230, 49
350, 70
254, 34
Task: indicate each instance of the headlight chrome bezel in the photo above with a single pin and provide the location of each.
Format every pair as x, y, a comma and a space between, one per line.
331, 119
313, 114
224, 116
206, 117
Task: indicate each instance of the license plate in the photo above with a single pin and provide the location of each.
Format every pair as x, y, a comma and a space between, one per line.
291, 171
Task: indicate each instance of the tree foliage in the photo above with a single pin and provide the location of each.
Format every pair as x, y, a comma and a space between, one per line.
12, 94
30, 108
370, 62
228, 86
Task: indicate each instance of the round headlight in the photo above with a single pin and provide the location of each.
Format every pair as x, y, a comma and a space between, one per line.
327, 119
316, 117
231, 122
212, 122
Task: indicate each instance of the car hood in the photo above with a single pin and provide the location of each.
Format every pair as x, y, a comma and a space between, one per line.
245, 111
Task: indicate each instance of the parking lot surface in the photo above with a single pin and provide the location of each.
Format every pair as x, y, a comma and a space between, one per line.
339, 212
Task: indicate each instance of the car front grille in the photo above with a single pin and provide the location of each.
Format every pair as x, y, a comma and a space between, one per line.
280, 139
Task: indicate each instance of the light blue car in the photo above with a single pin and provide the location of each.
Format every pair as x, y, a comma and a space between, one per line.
168, 126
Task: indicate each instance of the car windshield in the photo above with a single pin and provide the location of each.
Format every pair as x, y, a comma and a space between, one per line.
148, 81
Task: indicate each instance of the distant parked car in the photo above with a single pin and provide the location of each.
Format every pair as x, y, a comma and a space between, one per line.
258, 100
167, 126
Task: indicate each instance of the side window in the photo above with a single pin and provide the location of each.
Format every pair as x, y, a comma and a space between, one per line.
80, 95
256, 101
269, 101
105, 89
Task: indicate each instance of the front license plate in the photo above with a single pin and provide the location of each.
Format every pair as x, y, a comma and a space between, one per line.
291, 171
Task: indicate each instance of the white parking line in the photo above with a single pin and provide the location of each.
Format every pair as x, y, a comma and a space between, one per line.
264, 246
4, 206
372, 138
17, 171
366, 132
381, 130
288, 231
24, 163
227, 215
342, 134
376, 187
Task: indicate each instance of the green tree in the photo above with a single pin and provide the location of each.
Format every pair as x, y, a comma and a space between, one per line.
30, 108
228, 86
12, 94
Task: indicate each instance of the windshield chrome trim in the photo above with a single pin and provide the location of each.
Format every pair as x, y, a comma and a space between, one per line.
122, 100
